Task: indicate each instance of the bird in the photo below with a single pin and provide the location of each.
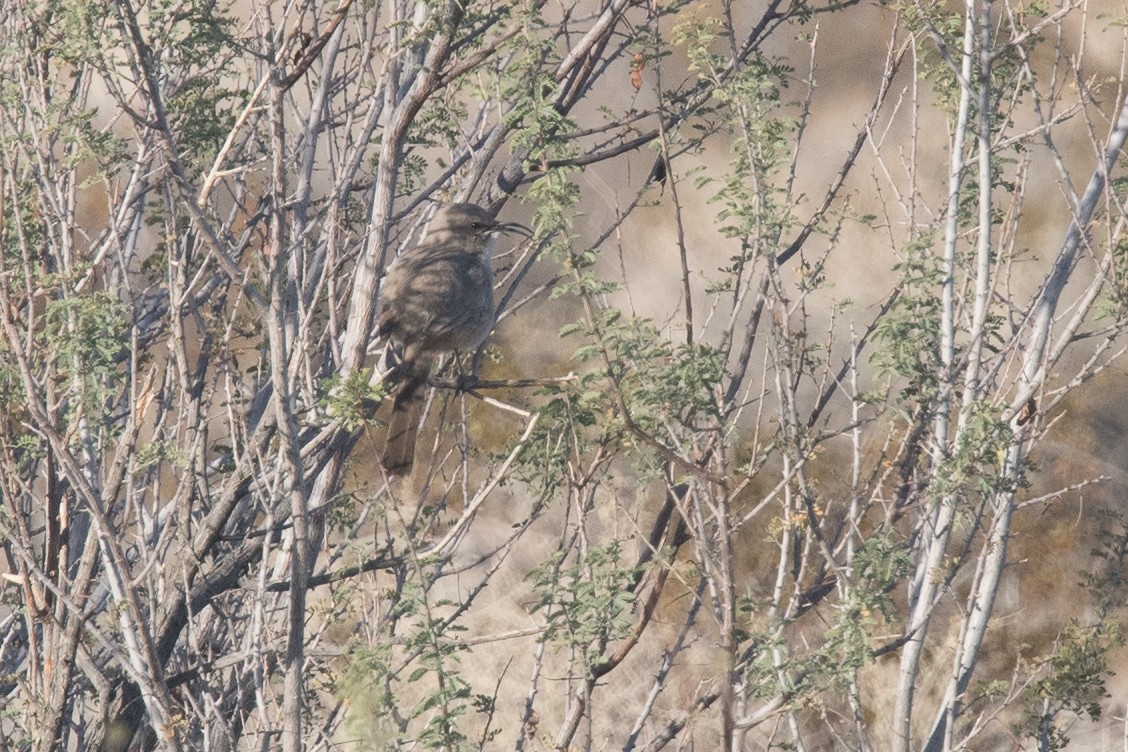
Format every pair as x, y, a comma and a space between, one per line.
436, 297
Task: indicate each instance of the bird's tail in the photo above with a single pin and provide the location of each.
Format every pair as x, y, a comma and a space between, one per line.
403, 427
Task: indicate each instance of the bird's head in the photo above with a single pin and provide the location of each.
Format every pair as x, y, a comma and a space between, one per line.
471, 219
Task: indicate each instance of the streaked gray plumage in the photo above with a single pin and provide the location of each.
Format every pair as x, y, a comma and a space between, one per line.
436, 297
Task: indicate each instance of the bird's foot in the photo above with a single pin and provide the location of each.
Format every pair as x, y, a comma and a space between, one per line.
467, 382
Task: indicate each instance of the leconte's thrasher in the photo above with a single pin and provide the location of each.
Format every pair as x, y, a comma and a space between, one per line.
436, 297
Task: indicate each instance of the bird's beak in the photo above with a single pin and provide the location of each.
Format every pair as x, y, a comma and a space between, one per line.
514, 227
